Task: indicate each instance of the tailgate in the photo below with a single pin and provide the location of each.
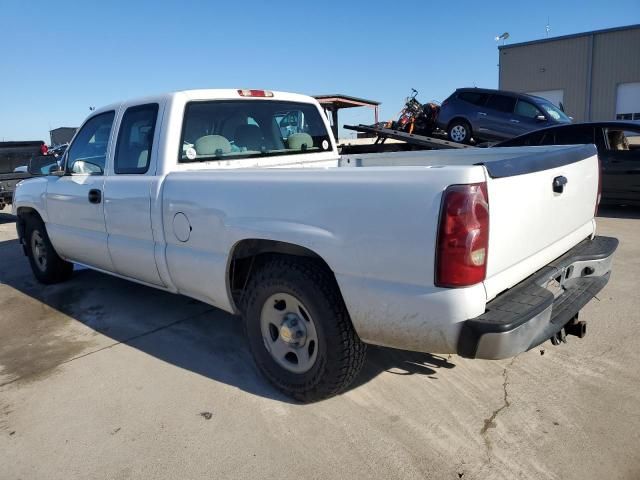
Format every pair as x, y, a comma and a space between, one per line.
530, 223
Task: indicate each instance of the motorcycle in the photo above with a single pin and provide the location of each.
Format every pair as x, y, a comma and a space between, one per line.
416, 117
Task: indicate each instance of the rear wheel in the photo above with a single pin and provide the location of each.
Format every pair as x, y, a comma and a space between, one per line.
46, 264
459, 131
299, 329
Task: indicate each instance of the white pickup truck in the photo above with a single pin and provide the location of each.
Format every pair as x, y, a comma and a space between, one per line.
240, 199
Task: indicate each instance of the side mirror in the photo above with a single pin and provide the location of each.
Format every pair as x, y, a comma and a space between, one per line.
56, 170
541, 118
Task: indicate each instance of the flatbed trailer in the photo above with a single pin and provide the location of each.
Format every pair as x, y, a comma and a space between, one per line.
422, 141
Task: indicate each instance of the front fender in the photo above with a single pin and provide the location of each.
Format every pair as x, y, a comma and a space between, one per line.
31, 194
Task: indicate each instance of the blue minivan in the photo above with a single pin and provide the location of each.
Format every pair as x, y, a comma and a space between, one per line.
486, 115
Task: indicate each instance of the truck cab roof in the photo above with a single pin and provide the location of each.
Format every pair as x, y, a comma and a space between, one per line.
209, 94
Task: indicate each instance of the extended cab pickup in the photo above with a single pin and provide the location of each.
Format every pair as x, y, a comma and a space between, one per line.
239, 198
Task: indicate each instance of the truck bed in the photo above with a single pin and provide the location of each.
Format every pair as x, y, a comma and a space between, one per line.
375, 221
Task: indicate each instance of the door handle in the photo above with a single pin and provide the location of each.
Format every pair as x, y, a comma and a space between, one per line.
559, 183
95, 195
482, 113
513, 120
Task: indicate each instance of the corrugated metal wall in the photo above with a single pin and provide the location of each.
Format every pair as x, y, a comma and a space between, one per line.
558, 65
616, 59
564, 65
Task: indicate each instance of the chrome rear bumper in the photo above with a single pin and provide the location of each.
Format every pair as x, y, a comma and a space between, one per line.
540, 306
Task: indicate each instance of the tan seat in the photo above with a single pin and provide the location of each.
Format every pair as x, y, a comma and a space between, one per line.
212, 145
300, 141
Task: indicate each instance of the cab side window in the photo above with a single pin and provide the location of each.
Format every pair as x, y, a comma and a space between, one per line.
133, 150
88, 153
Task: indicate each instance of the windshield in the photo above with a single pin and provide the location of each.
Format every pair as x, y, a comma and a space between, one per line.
219, 129
554, 112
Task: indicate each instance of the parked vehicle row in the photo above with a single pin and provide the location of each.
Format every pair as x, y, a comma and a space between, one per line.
205, 193
14, 161
618, 144
478, 115
486, 115
17, 159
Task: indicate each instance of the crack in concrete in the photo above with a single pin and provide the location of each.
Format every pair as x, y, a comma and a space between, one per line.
115, 344
602, 353
490, 422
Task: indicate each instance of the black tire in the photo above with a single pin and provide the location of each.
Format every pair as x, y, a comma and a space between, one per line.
459, 131
46, 264
340, 352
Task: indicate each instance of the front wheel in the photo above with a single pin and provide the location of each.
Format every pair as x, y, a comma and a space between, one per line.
46, 264
299, 330
459, 131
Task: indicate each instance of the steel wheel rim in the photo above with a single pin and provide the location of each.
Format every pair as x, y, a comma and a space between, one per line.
458, 133
289, 333
39, 250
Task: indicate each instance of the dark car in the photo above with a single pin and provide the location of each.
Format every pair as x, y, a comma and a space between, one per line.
14, 160
484, 114
618, 144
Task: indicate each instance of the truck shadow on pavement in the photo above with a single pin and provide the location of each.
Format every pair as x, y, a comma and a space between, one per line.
611, 211
6, 218
175, 329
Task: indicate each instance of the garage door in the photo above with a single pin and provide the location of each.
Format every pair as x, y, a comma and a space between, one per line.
554, 96
628, 101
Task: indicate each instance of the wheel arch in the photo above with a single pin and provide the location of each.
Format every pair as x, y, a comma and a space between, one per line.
22, 215
247, 254
459, 118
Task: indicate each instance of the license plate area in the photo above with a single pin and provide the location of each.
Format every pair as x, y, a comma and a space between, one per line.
555, 285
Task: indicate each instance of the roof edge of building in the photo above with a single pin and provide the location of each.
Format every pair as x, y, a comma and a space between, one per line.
572, 35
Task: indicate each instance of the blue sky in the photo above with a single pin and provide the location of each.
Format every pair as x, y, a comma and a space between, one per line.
58, 58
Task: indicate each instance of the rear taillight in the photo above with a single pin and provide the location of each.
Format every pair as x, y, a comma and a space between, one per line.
599, 196
255, 93
44, 149
463, 236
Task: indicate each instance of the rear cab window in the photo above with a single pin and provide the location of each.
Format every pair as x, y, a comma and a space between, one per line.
234, 129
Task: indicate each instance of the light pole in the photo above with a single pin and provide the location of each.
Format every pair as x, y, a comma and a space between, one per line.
502, 37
